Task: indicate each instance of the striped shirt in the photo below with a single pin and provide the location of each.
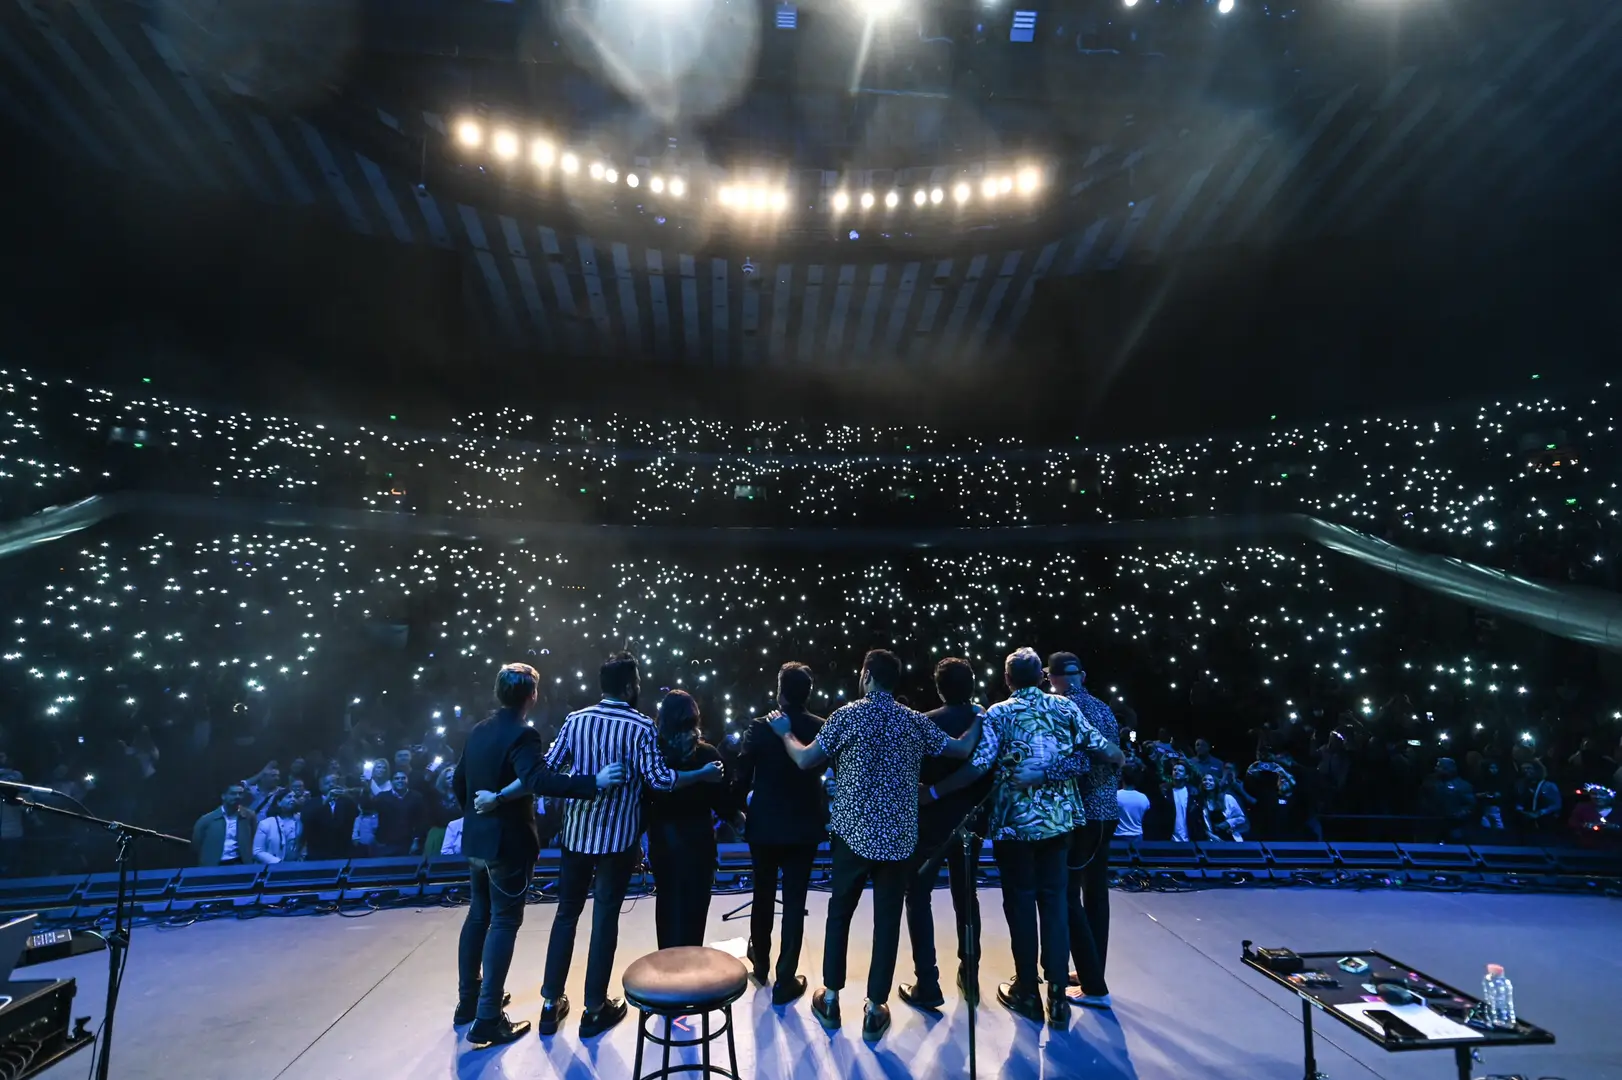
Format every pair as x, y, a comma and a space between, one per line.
590, 741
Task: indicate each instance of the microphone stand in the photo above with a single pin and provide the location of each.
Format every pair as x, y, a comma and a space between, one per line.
118, 940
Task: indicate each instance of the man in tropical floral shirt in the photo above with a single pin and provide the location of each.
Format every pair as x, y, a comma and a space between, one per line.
1031, 822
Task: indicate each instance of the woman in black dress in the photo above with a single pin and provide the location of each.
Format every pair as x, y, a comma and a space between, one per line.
681, 828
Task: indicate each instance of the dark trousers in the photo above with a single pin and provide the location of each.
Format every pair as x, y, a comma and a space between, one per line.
794, 862
851, 873
1088, 903
683, 858
494, 914
920, 910
1034, 876
613, 878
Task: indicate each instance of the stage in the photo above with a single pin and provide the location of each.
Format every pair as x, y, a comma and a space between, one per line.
370, 998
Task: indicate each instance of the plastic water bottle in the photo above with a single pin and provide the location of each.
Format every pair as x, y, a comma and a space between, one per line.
1498, 995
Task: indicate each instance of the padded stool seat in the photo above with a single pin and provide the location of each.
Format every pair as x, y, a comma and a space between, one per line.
683, 982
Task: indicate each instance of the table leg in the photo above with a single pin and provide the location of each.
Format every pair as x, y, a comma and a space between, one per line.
1312, 1072
1462, 1058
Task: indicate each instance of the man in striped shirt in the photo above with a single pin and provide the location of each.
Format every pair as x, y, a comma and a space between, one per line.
600, 837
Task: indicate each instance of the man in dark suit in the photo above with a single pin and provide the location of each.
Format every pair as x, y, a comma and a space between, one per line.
787, 817
501, 773
1174, 809
329, 822
402, 818
224, 835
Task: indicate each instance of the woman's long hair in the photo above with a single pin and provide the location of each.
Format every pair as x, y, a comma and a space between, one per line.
679, 727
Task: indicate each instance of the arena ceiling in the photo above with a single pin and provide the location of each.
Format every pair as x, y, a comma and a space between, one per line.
1511, 113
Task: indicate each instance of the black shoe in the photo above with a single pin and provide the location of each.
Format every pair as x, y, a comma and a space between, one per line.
783, 993
601, 1018
758, 967
920, 996
552, 1014
875, 1022
1058, 1009
971, 993
495, 1032
467, 1012
826, 1012
1021, 1001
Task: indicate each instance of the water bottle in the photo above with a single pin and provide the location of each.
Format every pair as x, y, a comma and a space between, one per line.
1498, 995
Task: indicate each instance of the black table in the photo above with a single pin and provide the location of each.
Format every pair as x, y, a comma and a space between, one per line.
1383, 968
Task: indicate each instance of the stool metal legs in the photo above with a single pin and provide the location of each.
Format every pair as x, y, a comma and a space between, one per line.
706, 1036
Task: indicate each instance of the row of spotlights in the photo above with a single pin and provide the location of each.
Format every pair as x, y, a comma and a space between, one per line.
753, 198
991, 187
545, 155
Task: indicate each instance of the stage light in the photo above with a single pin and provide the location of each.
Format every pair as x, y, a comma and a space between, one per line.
678, 187
1131, 3
657, 185
758, 199
936, 195
989, 187
570, 163
780, 201
542, 153
611, 175
1029, 181
960, 193
867, 200
892, 199
469, 134
505, 144
1224, 6
632, 181
724, 196
841, 202
596, 170
919, 197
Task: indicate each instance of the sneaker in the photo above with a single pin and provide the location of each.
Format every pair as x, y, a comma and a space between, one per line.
467, 1011
784, 993
1021, 1002
485, 1033
876, 1022
921, 996
552, 1014
826, 1012
1091, 1001
594, 1022
970, 992
1058, 1008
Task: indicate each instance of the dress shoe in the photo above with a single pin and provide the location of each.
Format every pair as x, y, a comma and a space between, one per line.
485, 1033
920, 996
783, 993
826, 1012
1021, 1001
1058, 1008
970, 992
876, 1022
467, 1011
594, 1022
552, 1014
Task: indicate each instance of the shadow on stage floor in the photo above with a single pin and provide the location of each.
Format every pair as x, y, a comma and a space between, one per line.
369, 998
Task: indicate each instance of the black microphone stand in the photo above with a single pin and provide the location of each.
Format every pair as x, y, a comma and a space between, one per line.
118, 939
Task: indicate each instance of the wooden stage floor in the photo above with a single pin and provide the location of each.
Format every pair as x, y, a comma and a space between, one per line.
369, 998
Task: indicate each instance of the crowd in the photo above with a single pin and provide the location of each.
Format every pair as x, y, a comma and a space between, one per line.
156, 664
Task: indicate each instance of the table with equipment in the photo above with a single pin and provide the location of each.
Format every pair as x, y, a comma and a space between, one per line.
1389, 1003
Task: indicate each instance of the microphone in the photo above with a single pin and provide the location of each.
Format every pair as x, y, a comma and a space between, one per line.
30, 789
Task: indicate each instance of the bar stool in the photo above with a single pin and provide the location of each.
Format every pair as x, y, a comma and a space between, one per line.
685, 981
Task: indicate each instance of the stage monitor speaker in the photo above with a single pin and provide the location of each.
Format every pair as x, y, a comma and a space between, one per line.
1368, 856
1153, 853
313, 880
199, 882
1588, 863
402, 874
39, 894
1443, 858
1123, 851
145, 886
1515, 860
1299, 855
1227, 856
445, 870
733, 858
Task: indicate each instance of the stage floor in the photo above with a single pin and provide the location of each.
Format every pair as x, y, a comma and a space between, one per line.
369, 998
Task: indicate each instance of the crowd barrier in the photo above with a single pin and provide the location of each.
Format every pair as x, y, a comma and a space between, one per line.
286, 887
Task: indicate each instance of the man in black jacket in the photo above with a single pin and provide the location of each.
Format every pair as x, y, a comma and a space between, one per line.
329, 822
787, 817
497, 781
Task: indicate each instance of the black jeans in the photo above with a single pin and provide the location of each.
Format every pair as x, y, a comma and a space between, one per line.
494, 914
794, 861
683, 858
1034, 875
920, 910
850, 877
613, 877
1088, 898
